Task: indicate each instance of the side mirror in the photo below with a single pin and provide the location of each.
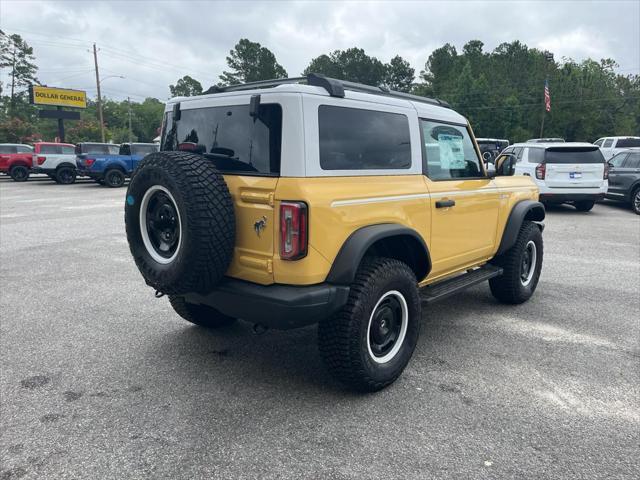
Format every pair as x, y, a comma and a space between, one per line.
254, 106
491, 170
506, 165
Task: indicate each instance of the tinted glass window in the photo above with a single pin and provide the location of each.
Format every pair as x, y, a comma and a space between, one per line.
8, 149
536, 155
50, 149
628, 142
97, 148
518, 152
355, 139
598, 142
449, 152
230, 137
617, 160
24, 149
607, 143
68, 150
574, 155
143, 149
633, 161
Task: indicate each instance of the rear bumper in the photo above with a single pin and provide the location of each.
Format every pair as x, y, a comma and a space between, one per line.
276, 306
570, 197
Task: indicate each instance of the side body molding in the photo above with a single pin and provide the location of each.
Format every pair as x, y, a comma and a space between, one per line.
524, 210
388, 239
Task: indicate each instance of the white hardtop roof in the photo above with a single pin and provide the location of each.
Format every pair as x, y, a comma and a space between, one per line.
426, 110
16, 145
491, 139
619, 136
554, 145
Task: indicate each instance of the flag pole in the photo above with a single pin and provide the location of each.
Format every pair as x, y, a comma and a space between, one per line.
544, 114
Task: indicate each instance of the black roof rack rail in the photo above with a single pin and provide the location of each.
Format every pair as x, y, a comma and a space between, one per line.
333, 86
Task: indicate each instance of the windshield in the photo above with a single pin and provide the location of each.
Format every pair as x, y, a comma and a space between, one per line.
231, 138
574, 155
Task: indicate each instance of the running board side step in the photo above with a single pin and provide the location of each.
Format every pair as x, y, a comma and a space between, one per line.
451, 286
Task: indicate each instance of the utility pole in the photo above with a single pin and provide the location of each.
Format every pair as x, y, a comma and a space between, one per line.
130, 135
95, 60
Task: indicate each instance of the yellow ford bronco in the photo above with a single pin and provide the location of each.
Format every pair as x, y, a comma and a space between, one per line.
313, 200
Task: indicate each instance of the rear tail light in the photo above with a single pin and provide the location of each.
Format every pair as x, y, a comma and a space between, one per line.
293, 230
541, 171
605, 174
89, 161
41, 160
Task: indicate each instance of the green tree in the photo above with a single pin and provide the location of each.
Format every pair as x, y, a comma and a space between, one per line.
85, 131
399, 75
249, 62
17, 56
186, 87
353, 65
16, 130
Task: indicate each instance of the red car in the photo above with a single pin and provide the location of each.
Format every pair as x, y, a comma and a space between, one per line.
16, 160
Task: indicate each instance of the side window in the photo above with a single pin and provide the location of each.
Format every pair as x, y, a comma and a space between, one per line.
517, 151
607, 143
7, 149
599, 142
66, 150
357, 139
632, 161
524, 155
125, 149
23, 149
50, 149
449, 151
617, 160
536, 155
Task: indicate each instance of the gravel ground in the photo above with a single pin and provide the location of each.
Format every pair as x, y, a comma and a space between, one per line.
101, 380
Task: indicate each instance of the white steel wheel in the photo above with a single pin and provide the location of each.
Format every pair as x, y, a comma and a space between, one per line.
387, 327
160, 224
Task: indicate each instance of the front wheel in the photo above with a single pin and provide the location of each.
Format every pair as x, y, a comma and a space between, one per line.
584, 206
201, 315
114, 178
19, 173
65, 175
370, 341
522, 265
635, 201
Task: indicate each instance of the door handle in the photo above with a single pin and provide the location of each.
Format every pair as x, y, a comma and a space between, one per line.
445, 203
527, 174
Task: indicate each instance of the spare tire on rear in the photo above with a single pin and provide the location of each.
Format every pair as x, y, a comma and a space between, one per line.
180, 222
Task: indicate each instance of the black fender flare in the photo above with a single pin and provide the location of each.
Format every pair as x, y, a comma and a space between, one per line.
345, 266
523, 210
66, 164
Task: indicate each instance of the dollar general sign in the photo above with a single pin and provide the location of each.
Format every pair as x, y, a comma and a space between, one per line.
60, 97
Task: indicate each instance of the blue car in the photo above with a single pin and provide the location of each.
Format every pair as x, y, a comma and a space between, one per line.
111, 170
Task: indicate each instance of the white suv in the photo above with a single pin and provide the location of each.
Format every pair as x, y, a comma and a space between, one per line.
610, 146
570, 172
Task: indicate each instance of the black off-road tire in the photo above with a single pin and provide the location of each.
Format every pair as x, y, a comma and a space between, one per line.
19, 173
201, 315
114, 178
206, 216
65, 175
344, 339
584, 205
509, 287
635, 201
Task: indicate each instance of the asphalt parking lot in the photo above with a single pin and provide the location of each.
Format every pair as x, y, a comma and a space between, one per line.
99, 379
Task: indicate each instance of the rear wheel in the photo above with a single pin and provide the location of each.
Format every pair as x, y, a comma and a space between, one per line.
199, 314
65, 175
584, 205
522, 265
635, 200
19, 173
369, 342
114, 178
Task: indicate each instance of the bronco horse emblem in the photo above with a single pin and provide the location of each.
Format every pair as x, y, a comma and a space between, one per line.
260, 225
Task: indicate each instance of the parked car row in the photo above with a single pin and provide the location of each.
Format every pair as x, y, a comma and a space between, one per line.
106, 163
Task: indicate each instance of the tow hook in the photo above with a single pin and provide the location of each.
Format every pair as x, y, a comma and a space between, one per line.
259, 328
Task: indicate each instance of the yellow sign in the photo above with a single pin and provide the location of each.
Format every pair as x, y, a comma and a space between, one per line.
61, 97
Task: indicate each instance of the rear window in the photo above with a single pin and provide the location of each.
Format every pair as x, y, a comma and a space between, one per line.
628, 142
143, 149
357, 139
231, 138
98, 148
607, 143
536, 155
574, 155
68, 150
8, 149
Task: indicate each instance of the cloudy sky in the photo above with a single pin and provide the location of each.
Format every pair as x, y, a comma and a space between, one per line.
153, 43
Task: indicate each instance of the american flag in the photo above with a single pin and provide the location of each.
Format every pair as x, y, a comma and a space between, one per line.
547, 96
